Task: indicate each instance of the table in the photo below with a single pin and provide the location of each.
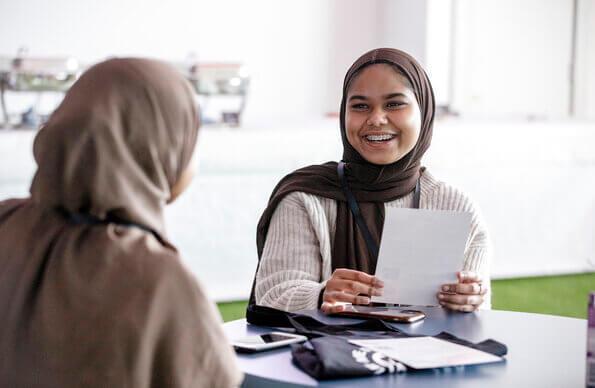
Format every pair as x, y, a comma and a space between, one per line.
543, 351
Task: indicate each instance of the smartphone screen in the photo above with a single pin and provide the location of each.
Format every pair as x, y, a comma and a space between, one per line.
268, 338
264, 339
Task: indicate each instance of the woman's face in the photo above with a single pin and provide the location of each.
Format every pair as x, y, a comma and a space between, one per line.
382, 116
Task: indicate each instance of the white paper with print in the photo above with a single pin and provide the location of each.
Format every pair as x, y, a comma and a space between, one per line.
420, 250
427, 352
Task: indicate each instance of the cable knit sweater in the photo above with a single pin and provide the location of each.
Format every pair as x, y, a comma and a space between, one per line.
296, 261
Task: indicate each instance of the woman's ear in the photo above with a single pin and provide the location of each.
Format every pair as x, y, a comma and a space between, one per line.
185, 179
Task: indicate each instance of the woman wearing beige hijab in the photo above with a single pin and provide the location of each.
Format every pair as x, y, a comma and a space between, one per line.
92, 294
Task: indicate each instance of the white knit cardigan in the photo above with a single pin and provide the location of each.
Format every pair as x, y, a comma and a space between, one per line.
296, 260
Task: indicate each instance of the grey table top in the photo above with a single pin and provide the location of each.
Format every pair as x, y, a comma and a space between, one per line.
543, 351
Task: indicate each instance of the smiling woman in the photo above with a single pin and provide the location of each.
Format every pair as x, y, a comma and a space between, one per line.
318, 238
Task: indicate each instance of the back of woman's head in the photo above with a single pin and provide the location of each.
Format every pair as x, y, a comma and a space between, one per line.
118, 142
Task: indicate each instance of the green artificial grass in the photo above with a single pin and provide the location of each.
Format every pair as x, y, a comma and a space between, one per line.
556, 295
231, 311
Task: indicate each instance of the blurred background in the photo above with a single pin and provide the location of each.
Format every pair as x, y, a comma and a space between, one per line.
514, 84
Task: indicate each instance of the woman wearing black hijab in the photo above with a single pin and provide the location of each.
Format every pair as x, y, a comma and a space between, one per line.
313, 251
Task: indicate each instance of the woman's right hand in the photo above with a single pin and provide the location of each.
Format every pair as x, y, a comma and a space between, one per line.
349, 286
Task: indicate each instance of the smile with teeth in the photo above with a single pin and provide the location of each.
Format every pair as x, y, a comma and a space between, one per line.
381, 137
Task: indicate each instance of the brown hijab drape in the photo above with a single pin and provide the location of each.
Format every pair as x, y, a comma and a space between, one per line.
105, 304
371, 184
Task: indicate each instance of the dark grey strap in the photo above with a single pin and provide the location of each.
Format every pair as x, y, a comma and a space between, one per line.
359, 220
89, 219
416, 194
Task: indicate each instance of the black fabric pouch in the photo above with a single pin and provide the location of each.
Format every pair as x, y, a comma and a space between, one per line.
331, 357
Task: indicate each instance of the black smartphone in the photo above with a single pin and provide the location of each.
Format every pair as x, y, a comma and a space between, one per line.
384, 313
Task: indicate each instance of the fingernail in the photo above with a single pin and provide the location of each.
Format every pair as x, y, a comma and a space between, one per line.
379, 283
377, 292
365, 300
445, 288
440, 296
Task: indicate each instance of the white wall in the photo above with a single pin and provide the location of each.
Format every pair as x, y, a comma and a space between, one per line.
513, 58
421, 28
534, 183
354, 29
440, 52
357, 27
403, 25
585, 65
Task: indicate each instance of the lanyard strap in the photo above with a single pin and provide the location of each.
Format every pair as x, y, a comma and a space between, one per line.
357, 214
417, 194
89, 219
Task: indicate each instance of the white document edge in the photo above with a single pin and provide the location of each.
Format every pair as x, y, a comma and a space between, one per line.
450, 229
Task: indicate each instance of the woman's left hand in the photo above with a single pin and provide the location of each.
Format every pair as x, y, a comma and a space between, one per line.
466, 295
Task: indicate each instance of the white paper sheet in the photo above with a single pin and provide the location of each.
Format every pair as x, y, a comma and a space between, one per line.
420, 250
427, 352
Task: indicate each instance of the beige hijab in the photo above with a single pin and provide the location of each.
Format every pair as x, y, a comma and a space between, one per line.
118, 143
107, 303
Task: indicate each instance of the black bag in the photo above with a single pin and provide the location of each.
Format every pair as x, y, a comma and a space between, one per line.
331, 357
